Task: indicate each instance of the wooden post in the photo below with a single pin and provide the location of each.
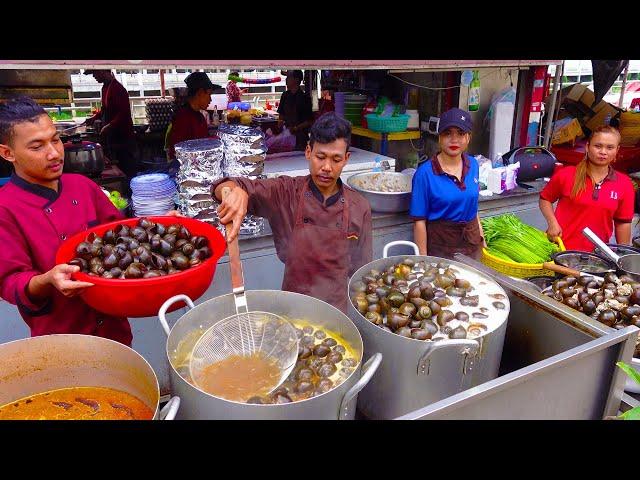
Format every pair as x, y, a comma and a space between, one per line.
552, 111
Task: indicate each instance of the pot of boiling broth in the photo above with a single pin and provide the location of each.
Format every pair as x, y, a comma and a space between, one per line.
324, 383
77, 377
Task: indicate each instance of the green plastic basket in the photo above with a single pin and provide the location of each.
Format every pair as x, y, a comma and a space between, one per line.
387, 124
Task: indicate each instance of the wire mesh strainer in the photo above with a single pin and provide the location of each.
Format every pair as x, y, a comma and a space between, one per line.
246, 333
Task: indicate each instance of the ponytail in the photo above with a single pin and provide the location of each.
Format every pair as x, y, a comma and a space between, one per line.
579, 184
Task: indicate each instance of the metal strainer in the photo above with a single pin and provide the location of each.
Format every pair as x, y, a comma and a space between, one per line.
245, 333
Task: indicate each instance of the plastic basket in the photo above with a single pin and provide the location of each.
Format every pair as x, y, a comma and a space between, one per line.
629, 119
387, 124
519, 270
242, 106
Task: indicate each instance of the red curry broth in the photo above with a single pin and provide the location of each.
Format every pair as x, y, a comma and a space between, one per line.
78, 403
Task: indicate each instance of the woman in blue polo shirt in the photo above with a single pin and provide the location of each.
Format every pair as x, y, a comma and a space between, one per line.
444, 200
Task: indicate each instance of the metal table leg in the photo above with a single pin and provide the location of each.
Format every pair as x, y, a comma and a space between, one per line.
384, 144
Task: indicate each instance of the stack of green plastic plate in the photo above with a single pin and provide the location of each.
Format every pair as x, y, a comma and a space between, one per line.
353, 105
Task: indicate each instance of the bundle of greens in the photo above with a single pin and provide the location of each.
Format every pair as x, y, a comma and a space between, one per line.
509, 239
117, 200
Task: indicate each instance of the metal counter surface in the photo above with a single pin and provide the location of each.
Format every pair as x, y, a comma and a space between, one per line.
523, 203
556, 364
296, 164
263, 270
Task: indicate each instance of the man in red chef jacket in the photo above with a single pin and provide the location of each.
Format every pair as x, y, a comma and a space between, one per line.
40, 207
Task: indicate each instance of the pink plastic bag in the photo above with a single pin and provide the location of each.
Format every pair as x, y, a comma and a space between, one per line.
285, 141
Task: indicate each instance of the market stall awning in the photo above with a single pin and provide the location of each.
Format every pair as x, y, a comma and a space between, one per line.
410, 65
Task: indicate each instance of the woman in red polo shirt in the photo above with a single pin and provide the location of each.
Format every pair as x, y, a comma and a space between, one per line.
591, 194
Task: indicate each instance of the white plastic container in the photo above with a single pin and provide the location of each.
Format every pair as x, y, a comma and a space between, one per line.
218, 99
414, 120
497, 180
512, 173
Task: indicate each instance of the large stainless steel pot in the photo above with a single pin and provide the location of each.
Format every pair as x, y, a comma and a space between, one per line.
417, 373
626, 264
388, 202
83, 157
49, 362
338, 403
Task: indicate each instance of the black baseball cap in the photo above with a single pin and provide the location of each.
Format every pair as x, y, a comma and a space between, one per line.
198, 80
455, 117
297, 74
91, 71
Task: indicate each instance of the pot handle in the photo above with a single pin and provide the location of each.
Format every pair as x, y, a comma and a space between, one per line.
165, 306
170, 410
368, 369
468, 348
593, 238
386, 248
560, 269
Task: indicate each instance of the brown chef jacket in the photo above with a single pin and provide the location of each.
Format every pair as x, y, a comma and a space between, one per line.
319, 249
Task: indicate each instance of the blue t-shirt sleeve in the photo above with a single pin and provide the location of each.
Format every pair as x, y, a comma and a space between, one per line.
419, 208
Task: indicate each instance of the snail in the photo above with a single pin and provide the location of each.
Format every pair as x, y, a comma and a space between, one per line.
155, 249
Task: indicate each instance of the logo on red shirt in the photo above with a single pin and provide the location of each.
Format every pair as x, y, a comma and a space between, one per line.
614, 195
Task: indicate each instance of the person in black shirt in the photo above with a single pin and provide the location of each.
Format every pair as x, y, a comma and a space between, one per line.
295, 109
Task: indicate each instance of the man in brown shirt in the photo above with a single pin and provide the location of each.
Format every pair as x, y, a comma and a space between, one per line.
321, 228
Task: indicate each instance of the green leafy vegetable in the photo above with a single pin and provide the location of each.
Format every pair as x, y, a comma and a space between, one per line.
632, 372
117, 200
634, 413
507, 236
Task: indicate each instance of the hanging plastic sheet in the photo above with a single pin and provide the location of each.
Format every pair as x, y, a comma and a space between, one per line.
605, 73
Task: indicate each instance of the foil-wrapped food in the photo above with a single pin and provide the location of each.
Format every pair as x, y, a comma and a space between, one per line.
240, 152
200, 160
251, 224
244, 154
201, 163
244, 150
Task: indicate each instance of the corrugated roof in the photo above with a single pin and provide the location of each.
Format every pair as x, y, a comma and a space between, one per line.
271, 64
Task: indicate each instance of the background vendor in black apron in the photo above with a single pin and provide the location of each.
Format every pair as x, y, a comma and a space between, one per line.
444, 199
295, 109
116, 133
